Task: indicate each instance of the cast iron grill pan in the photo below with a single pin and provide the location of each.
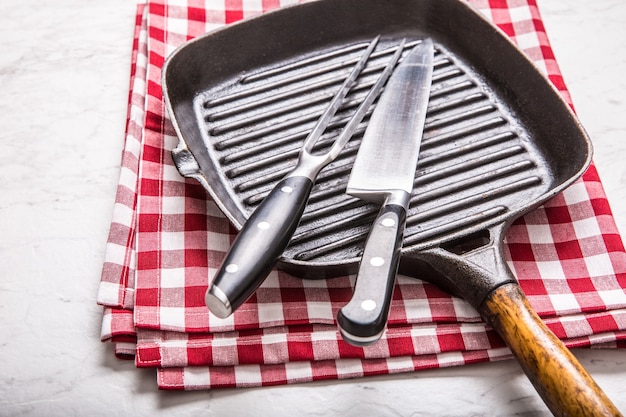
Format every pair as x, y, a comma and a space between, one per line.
498, 142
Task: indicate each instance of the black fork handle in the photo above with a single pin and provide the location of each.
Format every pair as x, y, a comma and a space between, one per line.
258, 245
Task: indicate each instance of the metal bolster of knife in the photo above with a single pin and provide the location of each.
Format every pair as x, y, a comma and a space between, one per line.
396, 197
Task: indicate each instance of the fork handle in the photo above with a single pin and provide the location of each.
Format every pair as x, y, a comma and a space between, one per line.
258, 245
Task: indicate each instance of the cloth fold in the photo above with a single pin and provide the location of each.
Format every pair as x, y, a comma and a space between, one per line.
167, 237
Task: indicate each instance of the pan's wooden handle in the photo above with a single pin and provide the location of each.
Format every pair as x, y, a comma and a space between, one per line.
565, 386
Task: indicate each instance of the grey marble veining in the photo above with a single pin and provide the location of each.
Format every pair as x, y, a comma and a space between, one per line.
64, 77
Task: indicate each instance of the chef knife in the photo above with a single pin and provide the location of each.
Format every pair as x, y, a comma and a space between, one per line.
267, 232
383, 173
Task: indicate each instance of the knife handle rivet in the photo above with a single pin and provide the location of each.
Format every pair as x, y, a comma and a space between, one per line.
388, 222
263, 225
377, 261
368, 305
286, 189
232, 268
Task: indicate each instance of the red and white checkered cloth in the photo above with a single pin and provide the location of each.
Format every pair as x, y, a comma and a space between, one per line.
167, 238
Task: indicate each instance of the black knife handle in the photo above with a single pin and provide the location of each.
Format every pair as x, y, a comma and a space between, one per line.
259, 244
363, 320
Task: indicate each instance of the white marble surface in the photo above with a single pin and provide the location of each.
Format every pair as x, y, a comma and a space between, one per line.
64, 77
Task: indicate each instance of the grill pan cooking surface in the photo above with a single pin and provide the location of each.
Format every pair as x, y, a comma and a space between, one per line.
498, 139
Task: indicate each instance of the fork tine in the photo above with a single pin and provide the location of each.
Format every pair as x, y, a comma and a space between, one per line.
335, 103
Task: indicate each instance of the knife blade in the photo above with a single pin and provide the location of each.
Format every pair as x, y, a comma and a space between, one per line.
267, 232
383, 173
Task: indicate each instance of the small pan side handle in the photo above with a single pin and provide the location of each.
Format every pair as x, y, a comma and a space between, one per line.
561, 381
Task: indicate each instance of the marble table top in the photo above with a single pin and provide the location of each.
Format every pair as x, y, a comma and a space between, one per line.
64, 77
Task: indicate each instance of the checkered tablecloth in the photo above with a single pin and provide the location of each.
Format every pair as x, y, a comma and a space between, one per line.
167, 238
